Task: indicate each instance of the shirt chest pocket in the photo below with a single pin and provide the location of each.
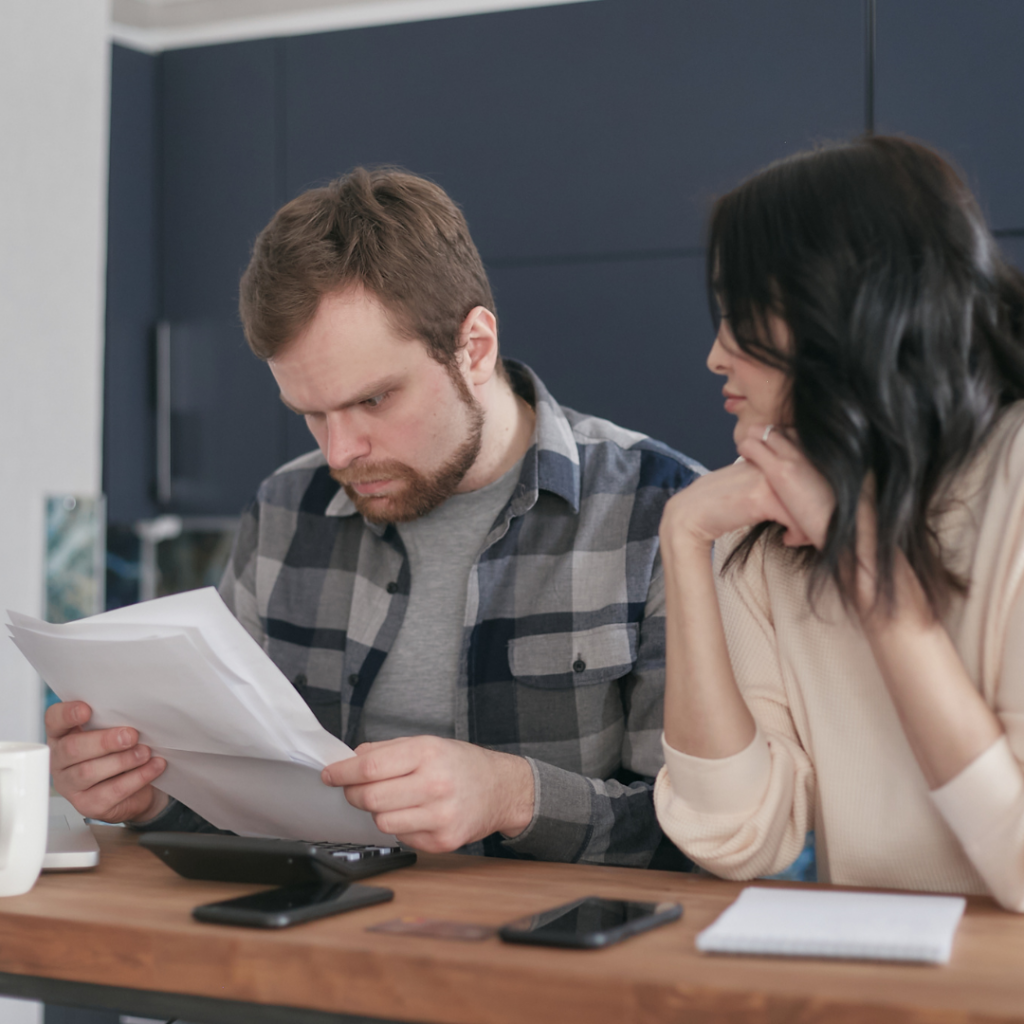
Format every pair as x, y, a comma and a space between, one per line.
559, 660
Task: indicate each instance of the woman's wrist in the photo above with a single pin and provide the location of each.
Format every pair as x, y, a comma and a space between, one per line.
908, 608
680, 534
684, 551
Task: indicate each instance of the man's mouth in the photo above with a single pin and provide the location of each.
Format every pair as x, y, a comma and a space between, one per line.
368, 488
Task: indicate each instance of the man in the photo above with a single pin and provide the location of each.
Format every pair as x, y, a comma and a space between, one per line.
463, 581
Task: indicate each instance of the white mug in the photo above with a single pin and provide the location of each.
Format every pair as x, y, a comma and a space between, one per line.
24, 814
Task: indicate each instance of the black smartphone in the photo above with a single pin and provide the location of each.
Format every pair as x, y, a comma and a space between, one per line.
291, 904
590, 922
218, 858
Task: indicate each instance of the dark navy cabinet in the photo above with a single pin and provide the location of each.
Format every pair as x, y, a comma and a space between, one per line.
951, 73
585, 143
589, 128
1013, 249
133, 286
219, 416
561, 320
219, 132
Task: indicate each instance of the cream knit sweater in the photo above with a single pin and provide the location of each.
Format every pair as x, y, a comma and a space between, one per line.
830, 754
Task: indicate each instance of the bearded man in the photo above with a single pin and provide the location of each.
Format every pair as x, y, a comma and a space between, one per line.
463, 581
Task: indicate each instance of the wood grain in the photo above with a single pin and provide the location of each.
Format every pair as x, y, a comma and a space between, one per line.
128, 924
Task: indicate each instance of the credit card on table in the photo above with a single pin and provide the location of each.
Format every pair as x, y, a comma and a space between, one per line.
434, 928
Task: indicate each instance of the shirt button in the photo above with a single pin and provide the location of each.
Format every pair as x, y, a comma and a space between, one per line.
579, 665
353, 679
392, 588
299, 681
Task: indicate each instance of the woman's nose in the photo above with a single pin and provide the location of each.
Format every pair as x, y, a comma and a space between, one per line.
718, 357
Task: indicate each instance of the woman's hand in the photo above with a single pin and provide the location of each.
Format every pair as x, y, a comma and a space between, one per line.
729, 499
804, 494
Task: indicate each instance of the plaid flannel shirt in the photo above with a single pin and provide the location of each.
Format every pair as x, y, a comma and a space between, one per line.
563, 656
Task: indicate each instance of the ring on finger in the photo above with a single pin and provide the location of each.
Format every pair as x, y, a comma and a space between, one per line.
767, 433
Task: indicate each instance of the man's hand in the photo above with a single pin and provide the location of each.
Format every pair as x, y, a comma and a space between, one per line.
437, 794
104, 773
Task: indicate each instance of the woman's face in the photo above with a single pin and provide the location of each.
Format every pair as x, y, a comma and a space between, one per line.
755, 393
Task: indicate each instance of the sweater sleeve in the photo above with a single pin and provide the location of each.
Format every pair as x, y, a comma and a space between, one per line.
747, 815
984, 804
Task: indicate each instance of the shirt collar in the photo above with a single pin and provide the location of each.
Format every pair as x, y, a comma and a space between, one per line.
551, 463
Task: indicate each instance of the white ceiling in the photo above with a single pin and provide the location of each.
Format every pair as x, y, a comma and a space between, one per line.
155, 25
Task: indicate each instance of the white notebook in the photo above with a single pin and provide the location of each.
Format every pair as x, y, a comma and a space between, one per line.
827, 923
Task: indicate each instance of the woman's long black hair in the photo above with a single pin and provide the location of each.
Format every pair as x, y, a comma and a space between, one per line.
907, 333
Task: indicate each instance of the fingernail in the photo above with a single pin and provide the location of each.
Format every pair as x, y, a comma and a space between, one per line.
124, 737
141, 753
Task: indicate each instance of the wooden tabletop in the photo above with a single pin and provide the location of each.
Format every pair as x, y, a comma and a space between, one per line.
128, 924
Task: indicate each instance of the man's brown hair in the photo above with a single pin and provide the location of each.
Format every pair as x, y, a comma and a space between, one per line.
398, 235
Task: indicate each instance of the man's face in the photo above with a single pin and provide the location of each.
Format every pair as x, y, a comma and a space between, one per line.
398, 431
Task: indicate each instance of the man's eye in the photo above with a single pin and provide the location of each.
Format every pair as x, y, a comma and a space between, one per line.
376, 400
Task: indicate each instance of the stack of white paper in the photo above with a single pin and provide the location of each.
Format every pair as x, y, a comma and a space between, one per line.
822, 922
242, 747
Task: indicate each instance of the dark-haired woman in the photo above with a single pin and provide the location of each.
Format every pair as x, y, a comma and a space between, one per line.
853, 663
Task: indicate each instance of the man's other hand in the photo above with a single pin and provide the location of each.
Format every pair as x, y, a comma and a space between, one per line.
104, 773
437, 794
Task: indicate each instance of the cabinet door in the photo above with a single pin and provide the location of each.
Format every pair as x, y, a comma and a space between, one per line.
133, 287
222, 421
579, 129
1013, 249
950, 73
623, 340
220, 147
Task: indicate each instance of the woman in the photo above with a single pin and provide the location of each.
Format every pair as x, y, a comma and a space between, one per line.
854, 661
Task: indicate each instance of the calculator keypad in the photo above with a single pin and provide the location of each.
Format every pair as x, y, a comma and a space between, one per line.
354, 852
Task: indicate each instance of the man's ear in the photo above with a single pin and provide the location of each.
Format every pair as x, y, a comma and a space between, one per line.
478, 345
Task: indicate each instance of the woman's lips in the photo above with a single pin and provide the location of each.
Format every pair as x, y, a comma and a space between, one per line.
732, 402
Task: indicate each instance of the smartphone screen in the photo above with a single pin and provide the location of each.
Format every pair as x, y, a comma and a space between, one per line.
596, 915
591, 921
291, 904
291, 897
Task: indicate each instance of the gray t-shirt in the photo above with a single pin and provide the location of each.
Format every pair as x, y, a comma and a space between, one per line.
414, 692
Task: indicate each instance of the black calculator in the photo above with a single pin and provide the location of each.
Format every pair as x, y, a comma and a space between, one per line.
219, 858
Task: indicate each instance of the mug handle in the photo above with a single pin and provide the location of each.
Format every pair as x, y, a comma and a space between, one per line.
7, 809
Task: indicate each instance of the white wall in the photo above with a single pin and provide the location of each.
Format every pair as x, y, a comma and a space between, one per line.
53, 155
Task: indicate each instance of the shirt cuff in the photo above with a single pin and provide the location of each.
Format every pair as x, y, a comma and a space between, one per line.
562, 809
724, 785
156, 823
979, 799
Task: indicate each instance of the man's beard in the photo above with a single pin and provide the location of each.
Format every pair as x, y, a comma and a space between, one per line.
421, 493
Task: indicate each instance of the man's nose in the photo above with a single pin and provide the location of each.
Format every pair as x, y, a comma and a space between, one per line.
345, 441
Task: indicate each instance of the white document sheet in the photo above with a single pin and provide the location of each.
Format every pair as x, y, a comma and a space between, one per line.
827, 923
243, 749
